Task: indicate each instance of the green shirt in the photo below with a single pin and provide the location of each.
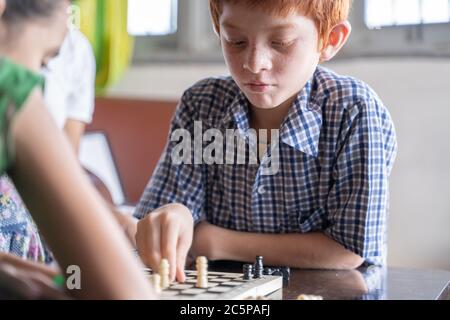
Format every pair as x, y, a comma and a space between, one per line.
18, 233
16, 85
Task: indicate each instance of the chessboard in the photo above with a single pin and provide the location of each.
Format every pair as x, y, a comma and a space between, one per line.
222, 286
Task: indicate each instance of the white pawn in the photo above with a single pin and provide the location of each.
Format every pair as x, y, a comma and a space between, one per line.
309, 297
202, 272
156, 282
164, 274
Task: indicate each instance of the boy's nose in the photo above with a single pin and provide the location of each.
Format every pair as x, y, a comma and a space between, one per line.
257, 60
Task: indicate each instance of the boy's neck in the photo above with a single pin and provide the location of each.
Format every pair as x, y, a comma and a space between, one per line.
269, 118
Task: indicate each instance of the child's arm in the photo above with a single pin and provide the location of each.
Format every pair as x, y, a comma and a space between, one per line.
310, 250
74, 130
71, 214
128, 224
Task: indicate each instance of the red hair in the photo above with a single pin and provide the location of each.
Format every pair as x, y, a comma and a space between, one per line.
325, 13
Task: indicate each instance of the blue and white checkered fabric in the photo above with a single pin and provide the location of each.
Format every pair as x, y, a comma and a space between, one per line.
336, 151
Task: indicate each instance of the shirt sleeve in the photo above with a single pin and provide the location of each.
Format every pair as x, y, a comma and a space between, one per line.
176, 183
16, 85
81, 94
358, 202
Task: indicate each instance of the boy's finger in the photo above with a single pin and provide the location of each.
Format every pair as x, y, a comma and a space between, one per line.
169, 236
181, 263
184, 244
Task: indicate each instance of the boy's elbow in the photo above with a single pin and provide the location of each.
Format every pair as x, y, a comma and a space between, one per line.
351, 261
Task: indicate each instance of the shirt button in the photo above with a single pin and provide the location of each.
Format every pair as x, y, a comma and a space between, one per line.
261, 190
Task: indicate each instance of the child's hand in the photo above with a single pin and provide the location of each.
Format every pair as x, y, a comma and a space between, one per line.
166, 233
20, 279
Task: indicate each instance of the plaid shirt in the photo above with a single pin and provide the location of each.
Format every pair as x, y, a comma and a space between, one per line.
336, 151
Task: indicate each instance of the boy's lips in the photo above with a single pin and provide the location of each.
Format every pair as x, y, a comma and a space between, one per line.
258, 87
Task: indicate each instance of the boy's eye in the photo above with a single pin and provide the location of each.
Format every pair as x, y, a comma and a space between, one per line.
236, 43
282, 44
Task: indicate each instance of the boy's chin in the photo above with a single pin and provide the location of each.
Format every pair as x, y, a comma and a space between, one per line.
261, 104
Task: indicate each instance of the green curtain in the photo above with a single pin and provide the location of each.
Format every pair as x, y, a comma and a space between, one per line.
104, 22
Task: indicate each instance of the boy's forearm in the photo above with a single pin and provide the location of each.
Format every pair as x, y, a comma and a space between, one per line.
312, 250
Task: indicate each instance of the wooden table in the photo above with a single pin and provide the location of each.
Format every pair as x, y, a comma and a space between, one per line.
373, 283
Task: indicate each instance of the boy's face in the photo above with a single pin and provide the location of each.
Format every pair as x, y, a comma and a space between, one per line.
270, 58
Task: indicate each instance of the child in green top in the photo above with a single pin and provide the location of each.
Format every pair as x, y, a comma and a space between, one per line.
76, 223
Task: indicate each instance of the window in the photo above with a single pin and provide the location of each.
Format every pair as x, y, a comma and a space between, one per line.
383, 13
160, 17
194, 39
421, 28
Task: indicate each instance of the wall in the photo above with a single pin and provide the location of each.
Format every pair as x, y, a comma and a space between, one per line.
137, 131
417, 92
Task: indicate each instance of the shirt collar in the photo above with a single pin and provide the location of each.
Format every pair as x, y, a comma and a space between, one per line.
303, 124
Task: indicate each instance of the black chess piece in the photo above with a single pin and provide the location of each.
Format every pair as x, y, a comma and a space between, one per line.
267, 271
286, 272
277, 272
248, 271
259, 267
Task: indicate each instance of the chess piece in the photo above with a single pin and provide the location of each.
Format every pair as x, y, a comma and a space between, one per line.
248, 271
164, 274
267, 271
259, 267
202, 272
277, 272
155, 280
256, 298
309, 297
286, 272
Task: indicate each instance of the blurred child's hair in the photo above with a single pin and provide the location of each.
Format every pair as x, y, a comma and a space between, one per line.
325, 13
18, 10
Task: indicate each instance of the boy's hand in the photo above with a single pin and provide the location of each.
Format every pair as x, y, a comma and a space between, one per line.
166, 233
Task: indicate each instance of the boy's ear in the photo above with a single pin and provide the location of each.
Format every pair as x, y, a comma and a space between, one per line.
216, 29
336, 40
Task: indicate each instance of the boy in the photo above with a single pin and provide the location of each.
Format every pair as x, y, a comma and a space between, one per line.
325, 203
